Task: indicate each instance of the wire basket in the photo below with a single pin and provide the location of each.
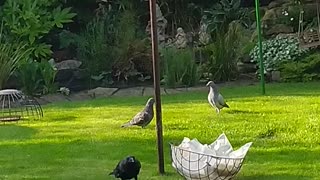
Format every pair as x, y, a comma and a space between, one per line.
193, 165
15, 106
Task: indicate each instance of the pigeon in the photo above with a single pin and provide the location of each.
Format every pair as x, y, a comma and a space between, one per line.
215, 98
128, 168
144, 117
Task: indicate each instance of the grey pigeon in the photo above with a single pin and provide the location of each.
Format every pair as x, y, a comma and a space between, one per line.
144, 117
215, 98
128, 168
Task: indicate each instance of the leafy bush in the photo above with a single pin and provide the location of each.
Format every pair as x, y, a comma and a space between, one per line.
93, 48
30, 20
179, 67
131, 49
36, 78
278, 50
11, 55
224, 12
224, 52
307, 69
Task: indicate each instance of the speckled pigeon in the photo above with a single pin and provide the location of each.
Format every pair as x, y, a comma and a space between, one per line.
144, 117
215, 98
128, 168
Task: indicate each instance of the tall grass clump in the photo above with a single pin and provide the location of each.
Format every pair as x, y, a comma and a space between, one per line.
180, 68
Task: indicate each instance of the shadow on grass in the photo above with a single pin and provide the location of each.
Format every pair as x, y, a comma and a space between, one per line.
14, 132
63, 118
235, 111
268, 177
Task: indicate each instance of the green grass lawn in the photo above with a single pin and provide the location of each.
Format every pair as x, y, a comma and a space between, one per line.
84, 140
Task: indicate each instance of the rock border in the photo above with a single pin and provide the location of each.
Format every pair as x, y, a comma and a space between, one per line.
101, 92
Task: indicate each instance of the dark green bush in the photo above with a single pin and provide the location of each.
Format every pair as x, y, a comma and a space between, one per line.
307, 69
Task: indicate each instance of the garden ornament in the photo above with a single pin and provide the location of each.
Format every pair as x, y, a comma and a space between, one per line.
181, 39
204, 36
161, 25
215, 98
144, 117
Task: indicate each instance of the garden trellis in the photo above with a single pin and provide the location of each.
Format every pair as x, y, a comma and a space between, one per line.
311, 38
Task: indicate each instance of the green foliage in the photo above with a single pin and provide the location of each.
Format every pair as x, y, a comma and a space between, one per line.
224, 12
93, 48
307, 69
37, 78
131, 49
67, 39
179, 67
30, 20
48, 74
29, 78
278, 50
11, 55
222, 64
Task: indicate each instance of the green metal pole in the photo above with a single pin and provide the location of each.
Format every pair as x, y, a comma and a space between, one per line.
258, 19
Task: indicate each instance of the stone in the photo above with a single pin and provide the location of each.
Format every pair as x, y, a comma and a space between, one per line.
279, 28
149, 91
102, 92
52, 98
81, 96
68, 64
275, 76
246, 67
135, 91
277, 3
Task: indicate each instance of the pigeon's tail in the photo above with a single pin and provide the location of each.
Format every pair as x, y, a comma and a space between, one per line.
128, 124
226, 105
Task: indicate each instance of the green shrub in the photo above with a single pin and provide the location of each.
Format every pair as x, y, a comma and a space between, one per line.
221, 14
11, 55
30, 20
224, 52
277, 51
93, 49
36, 78
179, 67
132, 51
308, 69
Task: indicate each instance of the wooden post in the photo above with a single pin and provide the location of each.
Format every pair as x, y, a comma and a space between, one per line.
156, 83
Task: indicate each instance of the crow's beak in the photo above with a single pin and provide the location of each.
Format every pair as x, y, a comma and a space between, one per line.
131, 160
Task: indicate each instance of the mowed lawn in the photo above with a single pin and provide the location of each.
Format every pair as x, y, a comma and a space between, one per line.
83, 140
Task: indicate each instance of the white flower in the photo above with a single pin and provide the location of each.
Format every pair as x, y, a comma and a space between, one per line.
291, 19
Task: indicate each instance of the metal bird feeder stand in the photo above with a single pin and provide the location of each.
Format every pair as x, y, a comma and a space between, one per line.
156, 81
15, 106
308, 39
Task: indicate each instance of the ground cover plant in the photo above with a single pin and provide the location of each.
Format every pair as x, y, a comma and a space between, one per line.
83, 140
